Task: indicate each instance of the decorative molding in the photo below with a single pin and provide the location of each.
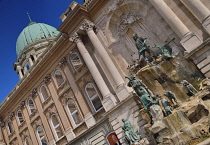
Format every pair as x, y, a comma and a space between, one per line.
47, 79
12, 115
125, 20
34, 92
63, 62
115, 5
22, 105
2, 124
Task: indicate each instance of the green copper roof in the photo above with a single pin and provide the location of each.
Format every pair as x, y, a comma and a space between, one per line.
33, 32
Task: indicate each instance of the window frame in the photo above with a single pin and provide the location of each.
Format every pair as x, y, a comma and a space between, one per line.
41, 94
97, 94
71, 114
26, 140
39, 138
29, 109
55, 127
64, 79
72, 63
18, 119
9, 129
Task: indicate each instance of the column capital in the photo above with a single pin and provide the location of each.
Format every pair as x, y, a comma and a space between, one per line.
75, 38
87, 26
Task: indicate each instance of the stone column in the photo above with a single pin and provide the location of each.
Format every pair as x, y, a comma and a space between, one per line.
20, 72
30, 61
189, 40
109, 100
30, 128
200, 11
121, 90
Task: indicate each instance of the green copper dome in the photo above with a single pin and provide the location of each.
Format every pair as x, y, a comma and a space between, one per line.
33, 32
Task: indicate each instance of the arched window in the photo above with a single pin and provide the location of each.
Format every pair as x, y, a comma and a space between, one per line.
75, 61
44, 93
56, 126
27, 141
9, 127
20, 117
93, 96
59, 77
74, 112
31, 106
41, 135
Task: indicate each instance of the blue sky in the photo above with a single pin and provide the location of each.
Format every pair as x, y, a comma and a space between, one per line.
13, 19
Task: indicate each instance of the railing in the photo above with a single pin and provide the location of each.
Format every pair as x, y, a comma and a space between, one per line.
87, 2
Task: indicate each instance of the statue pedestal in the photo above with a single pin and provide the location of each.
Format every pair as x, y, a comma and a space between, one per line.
158, 127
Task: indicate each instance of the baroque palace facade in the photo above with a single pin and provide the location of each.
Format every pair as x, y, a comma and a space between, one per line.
72, 87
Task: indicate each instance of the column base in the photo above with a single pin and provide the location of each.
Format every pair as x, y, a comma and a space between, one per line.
70, 135
206, 24
190, 41
90, 120
109, 102
122, 92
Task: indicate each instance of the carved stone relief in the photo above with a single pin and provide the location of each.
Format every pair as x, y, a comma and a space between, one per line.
36, 123
51, 110
84, 80
66, 96
12, 115
63, 62
126, 19
22, 105
2, 124
113, 6
47, 79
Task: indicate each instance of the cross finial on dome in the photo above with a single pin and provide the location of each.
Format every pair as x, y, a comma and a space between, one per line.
29, 17
31, 22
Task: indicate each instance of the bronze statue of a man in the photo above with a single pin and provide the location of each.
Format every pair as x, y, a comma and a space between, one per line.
139, 87
142, 46
131, 135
